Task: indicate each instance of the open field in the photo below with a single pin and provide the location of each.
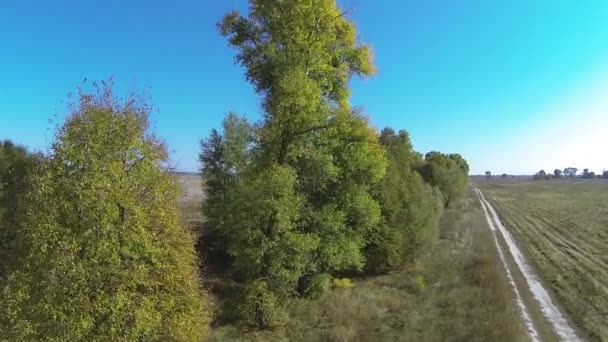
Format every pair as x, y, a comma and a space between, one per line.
191, 196
457, 291
562, 226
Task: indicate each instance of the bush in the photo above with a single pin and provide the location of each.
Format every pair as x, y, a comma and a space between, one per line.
320, 284
261, 308
344, 283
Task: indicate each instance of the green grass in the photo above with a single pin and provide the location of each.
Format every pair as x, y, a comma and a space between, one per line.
562, 226
457, 291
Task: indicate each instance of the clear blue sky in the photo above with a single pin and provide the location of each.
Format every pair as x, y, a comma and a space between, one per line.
514, 86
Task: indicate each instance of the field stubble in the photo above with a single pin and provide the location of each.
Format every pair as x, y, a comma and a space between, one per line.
562, 226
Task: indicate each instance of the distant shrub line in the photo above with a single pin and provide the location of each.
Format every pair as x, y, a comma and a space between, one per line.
567, 173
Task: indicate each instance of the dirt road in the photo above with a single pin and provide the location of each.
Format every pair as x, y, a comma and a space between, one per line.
531, 295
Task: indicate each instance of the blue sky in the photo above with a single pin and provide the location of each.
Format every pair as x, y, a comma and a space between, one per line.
514, 86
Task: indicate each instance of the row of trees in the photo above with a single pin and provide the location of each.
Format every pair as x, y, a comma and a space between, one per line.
311, 191
569, 172
92, 246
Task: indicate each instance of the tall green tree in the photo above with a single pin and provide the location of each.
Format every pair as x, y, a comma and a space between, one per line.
410, 208
570, 172
449, 173
308, 205
225, 158
16, 164
557, 173
106, 256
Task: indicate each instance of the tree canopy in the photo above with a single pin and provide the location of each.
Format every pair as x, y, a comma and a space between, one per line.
105, 253
16, 164
310, 191
447, 172
410, 207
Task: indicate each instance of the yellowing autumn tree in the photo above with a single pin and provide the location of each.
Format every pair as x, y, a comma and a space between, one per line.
105, 254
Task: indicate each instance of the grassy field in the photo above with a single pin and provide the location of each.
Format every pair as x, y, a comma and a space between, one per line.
191, 196
563, 228
456, 292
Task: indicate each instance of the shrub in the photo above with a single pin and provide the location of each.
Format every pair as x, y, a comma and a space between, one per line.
319, 285
343, 283
420, 283
260, 307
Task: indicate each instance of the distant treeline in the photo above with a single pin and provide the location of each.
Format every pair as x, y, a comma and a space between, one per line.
92, 246
567, 173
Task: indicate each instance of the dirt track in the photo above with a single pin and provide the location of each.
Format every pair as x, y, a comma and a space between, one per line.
538, 298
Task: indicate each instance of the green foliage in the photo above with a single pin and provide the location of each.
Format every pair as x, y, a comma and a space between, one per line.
588, 174
261, 308
410, 208
557, 173
449, 173
570, 172
15, 166
266, 242
319, 285
541, 175
105, 254
305, 193
294, 202
420, 283
224, 158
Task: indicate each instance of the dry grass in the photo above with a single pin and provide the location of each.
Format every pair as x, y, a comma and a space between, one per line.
458, 291
563, 228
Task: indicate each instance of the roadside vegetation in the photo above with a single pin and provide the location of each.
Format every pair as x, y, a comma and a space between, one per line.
562, 227
455, 291
297, 205
311, 193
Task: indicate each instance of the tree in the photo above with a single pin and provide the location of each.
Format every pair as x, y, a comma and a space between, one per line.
488, 174
504, 175
105, 254
588, 174
224, 158
557, 173
16, 164
444, 172
605, 174
410, 208
570, 172
305, 202
541, 175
